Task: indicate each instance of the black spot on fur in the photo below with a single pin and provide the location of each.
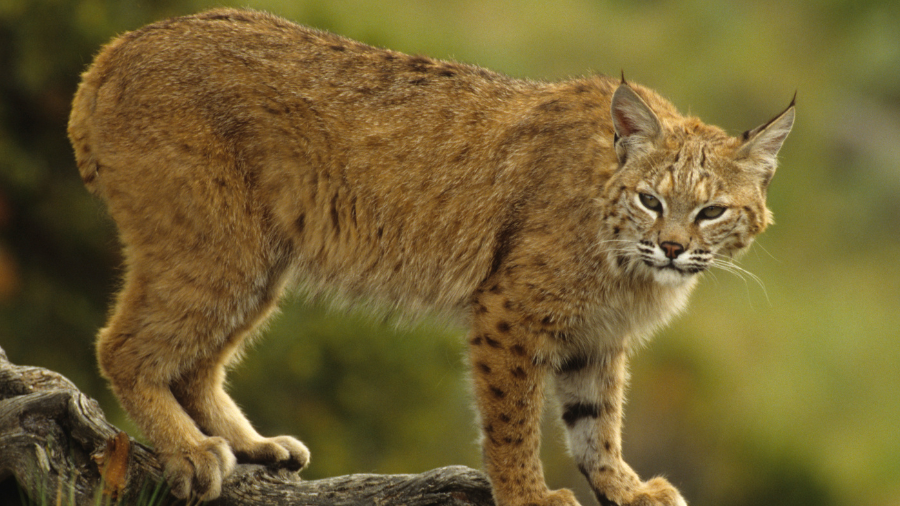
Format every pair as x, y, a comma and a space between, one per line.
519, 350
484, 367
231, 16
518, 373
572, 364
493, 343
503, 327
504, 418
335, 217
603, 500
502, 247
496, 392
575, 412
476, 341
300, 223
584, 471
554, 105
338, 47
418, 63
560, 336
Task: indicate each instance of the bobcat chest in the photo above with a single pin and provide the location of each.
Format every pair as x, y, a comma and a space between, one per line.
628, 315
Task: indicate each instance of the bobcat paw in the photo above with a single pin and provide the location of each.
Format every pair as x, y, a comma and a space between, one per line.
281, 451
561, 497
517, 497
199, 471
658, 491
655, 492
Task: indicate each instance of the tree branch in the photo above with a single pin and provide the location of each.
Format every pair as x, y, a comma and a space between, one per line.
56, 443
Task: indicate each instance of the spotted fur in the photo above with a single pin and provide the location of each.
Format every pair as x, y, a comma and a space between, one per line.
240, 154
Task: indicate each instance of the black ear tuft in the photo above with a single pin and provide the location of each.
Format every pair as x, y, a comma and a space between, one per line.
761, 145
765, 140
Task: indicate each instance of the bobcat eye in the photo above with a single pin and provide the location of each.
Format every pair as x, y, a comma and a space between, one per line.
710, 213
650, 202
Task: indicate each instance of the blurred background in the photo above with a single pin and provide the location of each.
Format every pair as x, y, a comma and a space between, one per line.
784, 392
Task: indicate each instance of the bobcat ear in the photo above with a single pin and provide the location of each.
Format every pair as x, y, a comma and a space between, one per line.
637, 128
761, 145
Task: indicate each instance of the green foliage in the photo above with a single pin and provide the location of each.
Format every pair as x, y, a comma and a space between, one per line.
782, 395
149, 495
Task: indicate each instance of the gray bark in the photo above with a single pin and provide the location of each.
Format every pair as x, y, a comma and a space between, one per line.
59, 448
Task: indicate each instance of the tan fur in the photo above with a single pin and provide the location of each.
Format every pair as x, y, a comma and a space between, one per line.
239, 153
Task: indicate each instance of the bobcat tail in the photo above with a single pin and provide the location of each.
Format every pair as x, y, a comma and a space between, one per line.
80, 130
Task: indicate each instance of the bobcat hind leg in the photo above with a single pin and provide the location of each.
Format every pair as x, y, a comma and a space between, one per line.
202, 394
140, 356
165, 351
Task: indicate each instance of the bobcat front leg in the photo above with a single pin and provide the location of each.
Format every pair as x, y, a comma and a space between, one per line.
590, 388
509, 382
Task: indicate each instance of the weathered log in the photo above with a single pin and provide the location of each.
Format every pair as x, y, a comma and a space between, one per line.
57, 445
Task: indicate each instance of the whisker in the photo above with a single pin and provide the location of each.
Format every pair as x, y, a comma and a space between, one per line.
760, 246
728, 265
732, 262
738, 270
714, 277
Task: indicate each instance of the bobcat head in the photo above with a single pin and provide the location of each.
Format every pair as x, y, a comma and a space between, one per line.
687, 196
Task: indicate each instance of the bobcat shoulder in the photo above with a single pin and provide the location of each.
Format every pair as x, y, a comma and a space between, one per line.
239, 154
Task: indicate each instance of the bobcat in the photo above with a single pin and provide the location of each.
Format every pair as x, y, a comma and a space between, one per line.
239, 153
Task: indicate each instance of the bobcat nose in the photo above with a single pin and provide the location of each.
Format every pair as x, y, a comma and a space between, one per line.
672, 249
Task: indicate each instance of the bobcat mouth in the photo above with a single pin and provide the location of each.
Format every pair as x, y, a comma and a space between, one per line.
669, 266
687, 270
